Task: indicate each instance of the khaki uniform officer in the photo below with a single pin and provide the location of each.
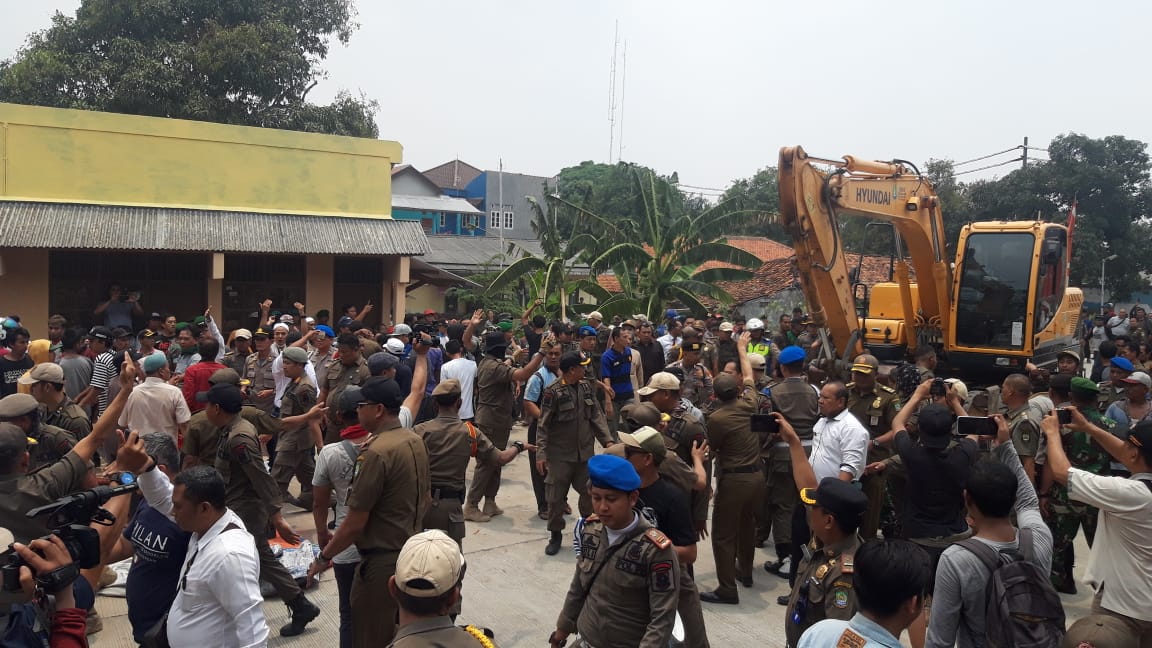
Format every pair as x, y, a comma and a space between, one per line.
451, 443
258, 372
796, 400
52, 443
493, 388
202, 440
682, 431
739, 486
46, 381
824, 588
429, 573
386, 506
876, 406
570, 421
626, 586
253, 495
300, 437
350, 368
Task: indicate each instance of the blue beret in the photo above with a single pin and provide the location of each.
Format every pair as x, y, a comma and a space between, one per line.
791, 354
1123, 364
326, 330
610, 471
586, 330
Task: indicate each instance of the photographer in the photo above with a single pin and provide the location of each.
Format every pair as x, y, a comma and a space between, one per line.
55, 573
22, 491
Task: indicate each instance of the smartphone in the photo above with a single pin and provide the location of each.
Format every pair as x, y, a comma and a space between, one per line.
1064, 415
976, 426
765, 423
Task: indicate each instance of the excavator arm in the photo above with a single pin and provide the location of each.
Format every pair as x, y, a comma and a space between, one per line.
812, 200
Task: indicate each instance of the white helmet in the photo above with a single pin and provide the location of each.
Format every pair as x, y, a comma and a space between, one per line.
754, 324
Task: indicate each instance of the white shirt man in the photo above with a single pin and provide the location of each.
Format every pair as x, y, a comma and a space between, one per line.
218, 600
154, 405
839, 441
464, 371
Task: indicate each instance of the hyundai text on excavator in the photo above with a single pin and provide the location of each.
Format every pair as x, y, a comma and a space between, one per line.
1002, 303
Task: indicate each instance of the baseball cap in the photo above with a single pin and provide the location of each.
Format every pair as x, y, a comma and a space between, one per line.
1138, 377
450, 387
154, 362
228, 397
384, 391
295, 354
146, 333
1069, 353
840, 498
659, 381
1085, 387
638, 415
429, 311
17, 405
726, 387
1141, 437
1098, 631
100, 333
48, 372
610, 471
935, 426
242, 334
402, 329
791, 354
1123, 364
13, 440
155, 316
430, 565
380, 362
394, 346
757, 361
344, 321
595, 315
573, 359
226, 377
726, 326
349, 398
959, 387
646, 439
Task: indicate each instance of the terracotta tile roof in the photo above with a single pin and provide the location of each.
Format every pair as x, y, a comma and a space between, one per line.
455, 174
780, 274
764, 249
609, 283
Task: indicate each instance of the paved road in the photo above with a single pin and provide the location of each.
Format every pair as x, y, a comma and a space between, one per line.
516, 590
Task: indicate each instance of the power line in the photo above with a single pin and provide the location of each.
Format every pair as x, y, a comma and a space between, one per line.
985, 157
990, 166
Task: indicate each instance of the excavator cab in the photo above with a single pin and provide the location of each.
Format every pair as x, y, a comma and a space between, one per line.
1009, 286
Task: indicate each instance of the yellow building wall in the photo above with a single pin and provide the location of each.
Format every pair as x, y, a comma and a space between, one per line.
58, 155
423, 298
24, 284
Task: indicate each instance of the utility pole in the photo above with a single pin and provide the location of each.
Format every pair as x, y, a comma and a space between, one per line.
1024, 157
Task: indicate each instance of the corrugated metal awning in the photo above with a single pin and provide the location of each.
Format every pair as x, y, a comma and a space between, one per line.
434, 204
111, 227
430, 274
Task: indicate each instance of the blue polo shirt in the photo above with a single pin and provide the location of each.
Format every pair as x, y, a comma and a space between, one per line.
617, 368
859, 631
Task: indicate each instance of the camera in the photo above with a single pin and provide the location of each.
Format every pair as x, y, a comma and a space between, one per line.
938, 388
1064, 416
69, 518
432, 333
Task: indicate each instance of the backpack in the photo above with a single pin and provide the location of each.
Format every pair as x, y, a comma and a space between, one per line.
1022, 609
906, 379
28, 627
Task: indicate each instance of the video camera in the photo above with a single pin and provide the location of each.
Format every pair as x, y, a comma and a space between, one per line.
69, 518
430, 330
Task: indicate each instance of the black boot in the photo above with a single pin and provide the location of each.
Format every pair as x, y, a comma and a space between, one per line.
303, 612
553, 547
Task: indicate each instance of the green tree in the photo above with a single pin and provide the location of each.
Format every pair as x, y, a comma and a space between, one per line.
658, 260
759, 194
1109, 180
552, 275
249, 63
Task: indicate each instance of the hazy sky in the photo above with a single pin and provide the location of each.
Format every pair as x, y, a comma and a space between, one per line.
713, 89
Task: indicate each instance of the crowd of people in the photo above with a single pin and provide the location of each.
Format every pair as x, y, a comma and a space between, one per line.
892, 501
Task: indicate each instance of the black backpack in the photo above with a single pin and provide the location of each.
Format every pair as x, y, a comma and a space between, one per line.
1021, 608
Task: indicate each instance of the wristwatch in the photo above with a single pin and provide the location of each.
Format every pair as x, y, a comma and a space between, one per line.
519, 445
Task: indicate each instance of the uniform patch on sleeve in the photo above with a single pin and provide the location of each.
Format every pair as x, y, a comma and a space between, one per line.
850, 639
356, 468
240, 453
840, 597
661, 576
656, 537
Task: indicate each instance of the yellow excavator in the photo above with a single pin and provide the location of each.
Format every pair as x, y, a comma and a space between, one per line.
1002, 303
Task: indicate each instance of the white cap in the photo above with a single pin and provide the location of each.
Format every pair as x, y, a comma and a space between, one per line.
757, 361
402, 329
596, 315
659, 381
726, 326
429, 565
394, 346
1139, 377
